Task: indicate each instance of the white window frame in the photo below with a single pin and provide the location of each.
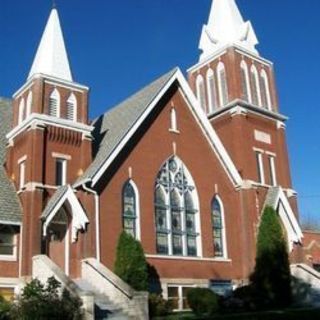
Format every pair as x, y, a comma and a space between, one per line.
56, 96
29, 104
201, 92
224, 234
272, 167
244, 67
72, 101
180, 294
137, 207
64, 171
221, 68
254, 71
21, 110
265, 79
11, 257
260, 167
212, 92
22, 172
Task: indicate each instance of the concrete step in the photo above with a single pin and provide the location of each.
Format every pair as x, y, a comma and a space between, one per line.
104, 308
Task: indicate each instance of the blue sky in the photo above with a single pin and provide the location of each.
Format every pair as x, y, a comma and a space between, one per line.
116, 47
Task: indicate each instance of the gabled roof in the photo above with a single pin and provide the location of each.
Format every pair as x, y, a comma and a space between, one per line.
277, 199
226, 27
79, 218
115, 128
51, 58
10, 209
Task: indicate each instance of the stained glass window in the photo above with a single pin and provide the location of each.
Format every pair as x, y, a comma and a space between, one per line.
129, 209
175, 211
217, 228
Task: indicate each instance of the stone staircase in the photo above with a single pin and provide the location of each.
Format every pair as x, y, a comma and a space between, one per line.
104, 294
307, 284
103, 307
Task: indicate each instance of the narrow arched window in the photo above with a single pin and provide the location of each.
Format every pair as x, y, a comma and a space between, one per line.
201, 92
72, 108
173, 120
212, 92
177, 216
130, 209
21, 110
245, 82
265, 90
29, 104
256, 98
222, 84
54, 103
218, 228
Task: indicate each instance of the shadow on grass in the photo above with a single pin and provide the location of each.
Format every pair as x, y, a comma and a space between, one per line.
290, 314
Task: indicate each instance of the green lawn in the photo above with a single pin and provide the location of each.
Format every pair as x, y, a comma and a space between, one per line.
292, 314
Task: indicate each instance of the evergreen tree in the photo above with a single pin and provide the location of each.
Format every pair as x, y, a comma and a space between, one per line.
271, 280
131, 264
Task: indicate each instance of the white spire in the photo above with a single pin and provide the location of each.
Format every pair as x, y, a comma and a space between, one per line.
226, 27
51, 58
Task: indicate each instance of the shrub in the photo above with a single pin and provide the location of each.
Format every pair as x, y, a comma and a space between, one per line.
5, 308
158, 306
131, 265
202, 301
271, 279
40, 301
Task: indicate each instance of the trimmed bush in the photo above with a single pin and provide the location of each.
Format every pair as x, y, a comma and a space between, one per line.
131, 265
158, 306
202, 301
40, 301
271, 279
5, 308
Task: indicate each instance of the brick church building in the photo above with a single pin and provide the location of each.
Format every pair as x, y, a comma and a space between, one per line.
186, 166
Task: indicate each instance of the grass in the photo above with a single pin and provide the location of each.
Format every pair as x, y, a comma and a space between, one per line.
290, 314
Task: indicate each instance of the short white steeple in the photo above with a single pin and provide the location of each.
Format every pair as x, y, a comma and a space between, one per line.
51, 58
226, 27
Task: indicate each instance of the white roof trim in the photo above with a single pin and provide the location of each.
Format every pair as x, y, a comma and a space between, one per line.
288, 218
79, 217
203, 121
43, 119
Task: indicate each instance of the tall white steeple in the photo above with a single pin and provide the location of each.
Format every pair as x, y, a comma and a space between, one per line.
226, 27
51, 58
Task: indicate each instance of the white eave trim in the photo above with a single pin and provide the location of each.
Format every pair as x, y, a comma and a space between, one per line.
79, 217
37, 119
223, 50
57, 81
203, 121
11, 223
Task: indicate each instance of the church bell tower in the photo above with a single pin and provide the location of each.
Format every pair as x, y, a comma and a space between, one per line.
49, 145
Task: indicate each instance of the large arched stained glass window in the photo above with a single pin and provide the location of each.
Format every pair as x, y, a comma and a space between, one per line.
176, 213
218, 229
129, 205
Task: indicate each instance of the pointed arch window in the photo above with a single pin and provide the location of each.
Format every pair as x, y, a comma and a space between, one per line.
212, 92
265, 90
54, 104
222, 85
21, 110
245, 82
29, 104
201, 92
176, 213
130, 209
256, 97
72, 108
218, 228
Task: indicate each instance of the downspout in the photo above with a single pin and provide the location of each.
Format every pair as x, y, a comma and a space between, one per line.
97, 217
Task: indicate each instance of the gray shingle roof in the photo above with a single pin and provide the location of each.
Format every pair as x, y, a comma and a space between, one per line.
54, 200
111, 127
10, 209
